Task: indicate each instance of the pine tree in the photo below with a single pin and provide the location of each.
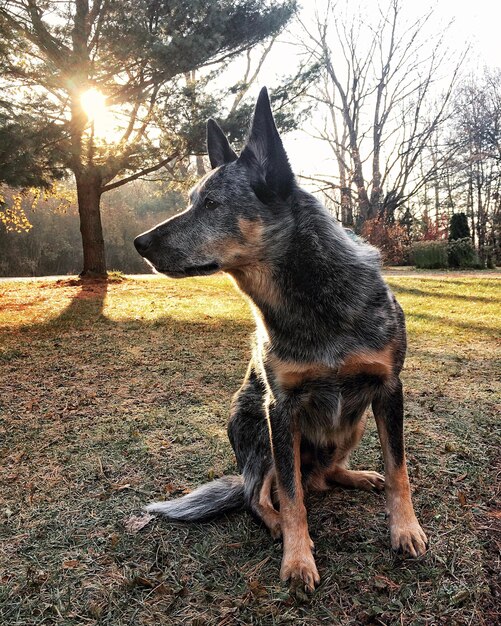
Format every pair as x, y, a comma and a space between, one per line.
137, 54
458, 227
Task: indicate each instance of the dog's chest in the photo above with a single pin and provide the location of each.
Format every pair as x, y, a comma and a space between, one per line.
327, 407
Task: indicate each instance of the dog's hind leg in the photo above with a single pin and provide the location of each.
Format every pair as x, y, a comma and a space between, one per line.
263, 506
355, 479
406, 533
339, 474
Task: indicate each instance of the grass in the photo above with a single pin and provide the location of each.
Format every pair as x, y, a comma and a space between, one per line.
114, 394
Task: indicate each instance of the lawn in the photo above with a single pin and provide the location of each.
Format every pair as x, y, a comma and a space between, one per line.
115, 394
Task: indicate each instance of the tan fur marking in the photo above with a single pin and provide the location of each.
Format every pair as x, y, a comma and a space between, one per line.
257, 282
405, 531
243, 260
298, 563
400, 503
290, 374
252, 231
369, 362
356, 479
235, 253
231, 252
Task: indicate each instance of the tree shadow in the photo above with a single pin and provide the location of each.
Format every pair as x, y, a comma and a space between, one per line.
415, 291
173, 374
446, 280
87, 303
490, 331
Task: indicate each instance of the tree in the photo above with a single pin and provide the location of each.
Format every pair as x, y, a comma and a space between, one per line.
28, 151
476, 140
133, 57
380, 110
458, 227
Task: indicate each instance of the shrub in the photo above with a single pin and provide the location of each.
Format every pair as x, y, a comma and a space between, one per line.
391, 239
462, 253
430, 254
459, 253
458, 227
432, 230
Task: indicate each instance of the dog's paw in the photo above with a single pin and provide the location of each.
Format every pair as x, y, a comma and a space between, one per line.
370, 481
301, 573
408, 538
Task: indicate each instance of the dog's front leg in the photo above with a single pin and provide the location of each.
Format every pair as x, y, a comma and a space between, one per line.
298, 564
406, 533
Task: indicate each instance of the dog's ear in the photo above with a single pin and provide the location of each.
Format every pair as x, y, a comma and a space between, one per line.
218, 147
264, 148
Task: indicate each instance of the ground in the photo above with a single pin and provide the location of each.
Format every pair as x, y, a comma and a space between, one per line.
115, 394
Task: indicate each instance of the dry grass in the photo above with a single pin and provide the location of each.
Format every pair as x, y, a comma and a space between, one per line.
113, 394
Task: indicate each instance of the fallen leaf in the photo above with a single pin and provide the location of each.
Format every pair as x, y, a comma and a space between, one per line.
135, 523
257, 589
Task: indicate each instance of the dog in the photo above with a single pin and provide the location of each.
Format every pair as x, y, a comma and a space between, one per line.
330, 341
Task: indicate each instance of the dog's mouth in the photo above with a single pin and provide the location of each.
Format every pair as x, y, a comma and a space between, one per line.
193, 270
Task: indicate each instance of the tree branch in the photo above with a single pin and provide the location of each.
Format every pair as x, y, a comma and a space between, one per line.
137, 175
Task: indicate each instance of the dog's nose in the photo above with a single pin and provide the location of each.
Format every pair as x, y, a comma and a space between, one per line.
143, 242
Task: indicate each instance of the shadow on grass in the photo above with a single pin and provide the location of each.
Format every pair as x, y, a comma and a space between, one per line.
88, 303
400, 289
489, 331
86, 308
215, 573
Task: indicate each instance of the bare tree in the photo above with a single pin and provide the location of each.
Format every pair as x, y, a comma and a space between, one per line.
476, 139
379, 99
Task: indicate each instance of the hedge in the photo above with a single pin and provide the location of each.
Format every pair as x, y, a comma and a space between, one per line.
430, 254
458, 253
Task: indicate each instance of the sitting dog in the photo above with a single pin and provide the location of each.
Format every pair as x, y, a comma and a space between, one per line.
330, 340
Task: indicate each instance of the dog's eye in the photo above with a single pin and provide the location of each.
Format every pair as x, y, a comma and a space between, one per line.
211, 204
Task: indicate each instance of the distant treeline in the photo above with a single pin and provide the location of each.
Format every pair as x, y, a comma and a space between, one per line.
53, 245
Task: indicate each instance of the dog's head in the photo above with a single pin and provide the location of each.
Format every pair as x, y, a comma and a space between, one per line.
231, 209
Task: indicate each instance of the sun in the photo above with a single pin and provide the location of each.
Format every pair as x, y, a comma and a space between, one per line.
97, 110
94, 104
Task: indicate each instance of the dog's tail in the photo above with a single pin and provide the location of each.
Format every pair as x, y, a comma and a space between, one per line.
219, 496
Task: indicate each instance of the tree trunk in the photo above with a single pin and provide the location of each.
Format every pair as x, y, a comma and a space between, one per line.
200, 166
470, 203
346, 207
89, 197
346, 202
364, 205
376, 208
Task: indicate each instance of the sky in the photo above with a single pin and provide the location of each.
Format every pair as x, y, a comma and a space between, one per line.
477, 21
476, 24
